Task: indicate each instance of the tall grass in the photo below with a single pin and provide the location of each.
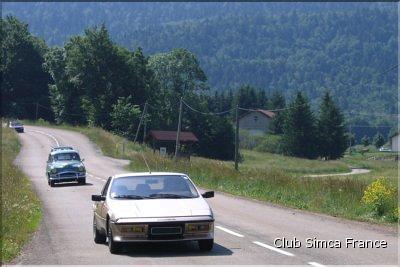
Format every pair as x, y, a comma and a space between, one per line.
293, 165
338, 197
20, 207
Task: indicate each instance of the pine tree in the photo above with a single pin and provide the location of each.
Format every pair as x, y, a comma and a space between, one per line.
299, 129
332, 141
365, 141
277, 102
379, 140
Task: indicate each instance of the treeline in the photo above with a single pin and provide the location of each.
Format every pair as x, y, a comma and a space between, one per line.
297, 130
341, 47
93, 81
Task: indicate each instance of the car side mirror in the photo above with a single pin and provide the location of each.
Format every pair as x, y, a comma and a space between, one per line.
208, 194
98, 198
82, 160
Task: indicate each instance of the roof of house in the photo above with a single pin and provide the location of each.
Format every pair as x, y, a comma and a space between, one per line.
171, 136
264, 112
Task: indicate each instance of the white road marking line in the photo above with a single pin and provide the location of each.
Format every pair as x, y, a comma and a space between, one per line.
273, 248
98, 178
316, 264
49, 135
229, 231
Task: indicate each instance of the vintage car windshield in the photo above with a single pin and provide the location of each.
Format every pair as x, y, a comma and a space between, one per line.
16, 124
66, 156
152, 187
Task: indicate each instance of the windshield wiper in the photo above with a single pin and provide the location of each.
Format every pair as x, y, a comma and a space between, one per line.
168, 196
130, 197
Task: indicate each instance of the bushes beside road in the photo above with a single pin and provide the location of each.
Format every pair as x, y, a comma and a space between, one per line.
20, 207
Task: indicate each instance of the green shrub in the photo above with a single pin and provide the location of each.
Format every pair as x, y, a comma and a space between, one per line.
380, 197
270, 143
248, 141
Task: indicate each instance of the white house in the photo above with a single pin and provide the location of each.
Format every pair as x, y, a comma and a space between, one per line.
394, 142
256, 122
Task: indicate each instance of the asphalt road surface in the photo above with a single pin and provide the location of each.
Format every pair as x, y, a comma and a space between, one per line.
244, 234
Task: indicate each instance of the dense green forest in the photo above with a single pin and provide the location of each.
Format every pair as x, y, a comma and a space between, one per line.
93, 81
348, 49
343, 47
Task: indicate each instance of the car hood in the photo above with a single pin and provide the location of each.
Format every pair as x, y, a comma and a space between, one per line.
63, 164
153, 208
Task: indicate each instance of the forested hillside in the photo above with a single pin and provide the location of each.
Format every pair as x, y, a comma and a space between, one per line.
342, 47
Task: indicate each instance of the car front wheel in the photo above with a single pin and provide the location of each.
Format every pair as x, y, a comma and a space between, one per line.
206, 245
114, 247
82, 181
98, 237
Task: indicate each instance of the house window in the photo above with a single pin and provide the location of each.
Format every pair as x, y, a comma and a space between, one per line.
255, 119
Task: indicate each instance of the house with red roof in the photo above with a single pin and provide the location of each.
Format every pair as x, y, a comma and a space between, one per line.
256, 122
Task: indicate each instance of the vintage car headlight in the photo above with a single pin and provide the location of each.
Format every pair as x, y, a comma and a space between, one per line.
202, 227
81, 168
53, 170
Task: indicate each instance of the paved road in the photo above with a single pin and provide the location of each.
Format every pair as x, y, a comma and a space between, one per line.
245, 230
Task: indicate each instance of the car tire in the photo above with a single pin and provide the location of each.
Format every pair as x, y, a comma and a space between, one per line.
114, 247
82, 181
52, 183
206, 245
98, 237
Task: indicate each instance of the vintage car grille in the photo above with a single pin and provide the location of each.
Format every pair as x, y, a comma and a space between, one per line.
67, 174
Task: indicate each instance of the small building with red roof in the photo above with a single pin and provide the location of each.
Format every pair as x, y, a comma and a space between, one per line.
166, 140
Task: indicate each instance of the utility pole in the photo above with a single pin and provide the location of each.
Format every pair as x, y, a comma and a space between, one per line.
140, 122
237, 139
37, 110
349, 139
178, 132
144, 129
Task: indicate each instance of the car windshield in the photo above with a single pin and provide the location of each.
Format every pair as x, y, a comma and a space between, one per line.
66, 156
16, 124
153, 187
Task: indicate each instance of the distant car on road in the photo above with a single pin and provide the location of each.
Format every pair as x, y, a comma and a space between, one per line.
384, 149
152, 207
17, 126
65, 165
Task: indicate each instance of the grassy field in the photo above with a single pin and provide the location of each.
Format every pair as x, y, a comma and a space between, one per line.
267, 177
292, 165
20, 207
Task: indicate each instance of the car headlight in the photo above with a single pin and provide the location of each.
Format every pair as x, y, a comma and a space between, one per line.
139, 229
203, 227
81, 168
53, 170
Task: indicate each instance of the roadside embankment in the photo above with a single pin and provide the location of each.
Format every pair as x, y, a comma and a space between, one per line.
20, 207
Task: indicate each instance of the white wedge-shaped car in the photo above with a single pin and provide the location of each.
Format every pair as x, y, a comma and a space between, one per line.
152, 207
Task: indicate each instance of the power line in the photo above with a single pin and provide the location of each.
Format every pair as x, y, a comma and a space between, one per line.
207, 113
273, 110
